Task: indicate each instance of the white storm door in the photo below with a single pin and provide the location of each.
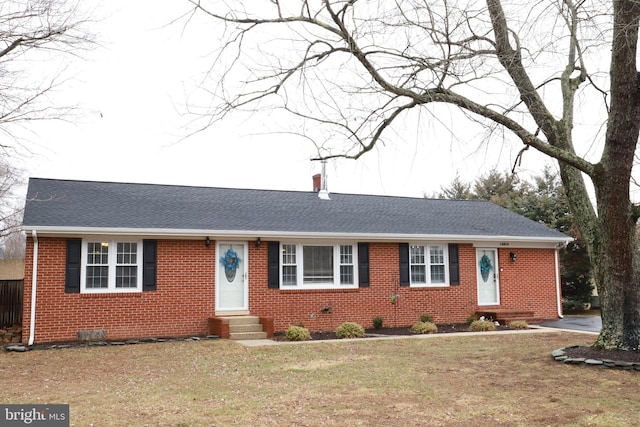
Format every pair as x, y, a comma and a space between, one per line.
488, 285
231, 276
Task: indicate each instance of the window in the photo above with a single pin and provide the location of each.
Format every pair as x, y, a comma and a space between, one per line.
318, 265
97, 265
346, 265
111, 266
289, 266
428, 265
127, 265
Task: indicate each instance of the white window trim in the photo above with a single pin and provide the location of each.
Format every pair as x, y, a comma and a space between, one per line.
111, 287
336, 266
426, 245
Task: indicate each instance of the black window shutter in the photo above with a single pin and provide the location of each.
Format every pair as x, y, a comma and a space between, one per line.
363, 265
273, 260
72, 271
454, 265
404, 264
149, 264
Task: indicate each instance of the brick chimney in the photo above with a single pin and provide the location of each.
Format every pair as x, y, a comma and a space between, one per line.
317, 182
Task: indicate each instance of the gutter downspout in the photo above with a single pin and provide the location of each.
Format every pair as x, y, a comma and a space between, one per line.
558, 289
34, 281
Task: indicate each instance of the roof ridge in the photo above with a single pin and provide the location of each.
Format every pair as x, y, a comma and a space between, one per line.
248, 189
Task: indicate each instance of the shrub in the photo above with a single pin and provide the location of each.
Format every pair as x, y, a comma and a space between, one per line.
350, 330
426, 318
576, 272
518, 324
377, 322
297, 333
424, 328
572, 305
472, 318
482, 325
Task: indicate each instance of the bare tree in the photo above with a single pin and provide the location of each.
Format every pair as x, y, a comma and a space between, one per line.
11, 207
10, 213
354, 68
13, 246
34, 36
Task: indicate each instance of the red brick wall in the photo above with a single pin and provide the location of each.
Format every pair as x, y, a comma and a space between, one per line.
185, 295
528, 284
181, 305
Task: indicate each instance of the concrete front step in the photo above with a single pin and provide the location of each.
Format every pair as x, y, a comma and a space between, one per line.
241, 320
253, 327
247, 335
241, 327
245, 328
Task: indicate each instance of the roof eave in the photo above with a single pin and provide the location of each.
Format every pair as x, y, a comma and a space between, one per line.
247, 234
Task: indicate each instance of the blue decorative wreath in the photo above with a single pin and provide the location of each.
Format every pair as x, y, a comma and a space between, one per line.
485, 264
231, 262
485, 267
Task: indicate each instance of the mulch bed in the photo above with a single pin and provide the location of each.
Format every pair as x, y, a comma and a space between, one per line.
594, 353
598, 354
372, 333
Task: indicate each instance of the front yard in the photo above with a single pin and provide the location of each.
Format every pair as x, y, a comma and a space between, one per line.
501, 380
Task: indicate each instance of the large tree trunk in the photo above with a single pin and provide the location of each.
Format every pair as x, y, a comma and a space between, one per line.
613, 260
611, 242
611, 236
613, 265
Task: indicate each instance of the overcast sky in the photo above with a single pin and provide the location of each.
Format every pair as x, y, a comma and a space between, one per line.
132, 92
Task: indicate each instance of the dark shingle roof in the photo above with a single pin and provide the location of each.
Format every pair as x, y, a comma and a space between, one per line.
65, 204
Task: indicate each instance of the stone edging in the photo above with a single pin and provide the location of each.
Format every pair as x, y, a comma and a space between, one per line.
21, 348
560, 355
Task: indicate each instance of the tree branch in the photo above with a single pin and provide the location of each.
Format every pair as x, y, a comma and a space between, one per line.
399, 74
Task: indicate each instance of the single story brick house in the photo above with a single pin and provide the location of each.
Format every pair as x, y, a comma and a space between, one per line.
146, 260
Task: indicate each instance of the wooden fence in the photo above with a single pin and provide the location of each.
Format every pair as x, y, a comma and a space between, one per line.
11, 294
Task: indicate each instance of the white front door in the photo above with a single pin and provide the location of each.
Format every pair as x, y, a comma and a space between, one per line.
231, 277
488, 286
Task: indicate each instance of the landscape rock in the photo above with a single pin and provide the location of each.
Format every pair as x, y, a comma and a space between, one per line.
19, 348
560, 355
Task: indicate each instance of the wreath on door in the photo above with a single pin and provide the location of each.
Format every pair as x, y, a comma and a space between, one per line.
485, 267
230, 262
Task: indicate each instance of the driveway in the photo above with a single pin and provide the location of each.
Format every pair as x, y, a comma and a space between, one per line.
576, 323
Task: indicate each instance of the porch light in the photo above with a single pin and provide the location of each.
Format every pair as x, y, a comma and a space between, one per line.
207, 242
258, 242
513, 256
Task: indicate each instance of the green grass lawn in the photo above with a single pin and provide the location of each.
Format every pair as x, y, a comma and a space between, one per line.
499, 380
